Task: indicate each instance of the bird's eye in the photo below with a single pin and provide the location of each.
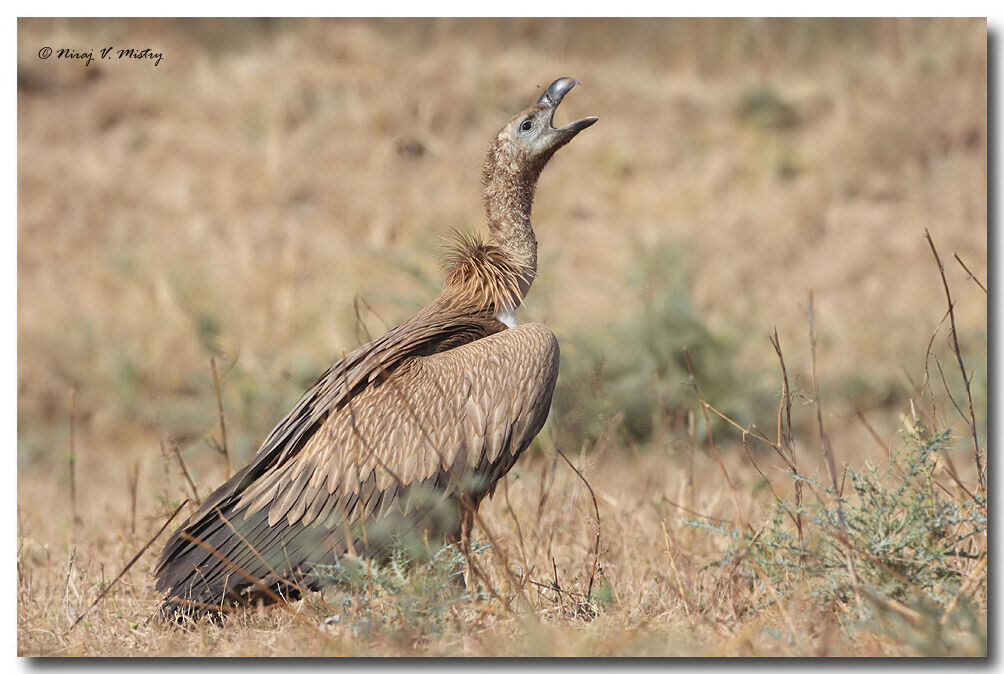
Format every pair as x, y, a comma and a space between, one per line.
526, 126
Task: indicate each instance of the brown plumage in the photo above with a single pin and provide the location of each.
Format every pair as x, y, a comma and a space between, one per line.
399, 441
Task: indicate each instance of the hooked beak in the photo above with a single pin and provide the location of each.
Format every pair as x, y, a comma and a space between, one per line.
552, 97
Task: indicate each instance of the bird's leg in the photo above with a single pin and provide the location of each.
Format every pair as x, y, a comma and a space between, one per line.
466, 525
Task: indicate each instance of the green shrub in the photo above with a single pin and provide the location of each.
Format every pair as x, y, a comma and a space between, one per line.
406, 597
764, 107
632, 375
904, 537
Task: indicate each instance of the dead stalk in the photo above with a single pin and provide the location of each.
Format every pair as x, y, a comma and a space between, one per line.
948, 390
749, 455
691, 450
483, 577
596, 509
711, 440
184, 470
971, 274
977, 454
71, 458
127, 566
695, 513
223, 423
66, 584
831, 467
519, 529
133, 492
776, 597
676, 572
875, 436
927, 373
785, 438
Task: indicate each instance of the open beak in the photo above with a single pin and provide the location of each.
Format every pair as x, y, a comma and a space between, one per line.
552, 97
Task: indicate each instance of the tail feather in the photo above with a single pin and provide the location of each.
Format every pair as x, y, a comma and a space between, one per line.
228, 554
237, 558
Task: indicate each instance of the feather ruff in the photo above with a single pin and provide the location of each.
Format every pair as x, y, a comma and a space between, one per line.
484, 274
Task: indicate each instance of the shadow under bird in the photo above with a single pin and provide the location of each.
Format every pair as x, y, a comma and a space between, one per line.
398, 442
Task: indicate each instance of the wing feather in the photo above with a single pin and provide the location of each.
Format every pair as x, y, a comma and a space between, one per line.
451, 412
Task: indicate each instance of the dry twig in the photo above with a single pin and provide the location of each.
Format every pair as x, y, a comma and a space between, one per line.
184, 470
711, 440
831, 467
133, 493
785, 437
71, 458
223, 425
875, 436
676, 572
971, 274
127, 566
596, 508
519, 529
977, 453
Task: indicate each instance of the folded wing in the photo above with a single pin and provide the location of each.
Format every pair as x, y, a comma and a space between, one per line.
388, 443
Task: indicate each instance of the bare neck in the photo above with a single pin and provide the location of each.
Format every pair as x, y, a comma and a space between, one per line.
508, 196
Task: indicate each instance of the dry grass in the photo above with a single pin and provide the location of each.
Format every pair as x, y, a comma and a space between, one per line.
233, 201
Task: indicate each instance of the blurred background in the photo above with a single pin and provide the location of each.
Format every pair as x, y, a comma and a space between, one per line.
274, 191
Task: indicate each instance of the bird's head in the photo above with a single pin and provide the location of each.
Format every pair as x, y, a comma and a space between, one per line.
525, 144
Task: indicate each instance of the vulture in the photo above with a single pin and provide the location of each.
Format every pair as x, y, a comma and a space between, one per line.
399, 441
